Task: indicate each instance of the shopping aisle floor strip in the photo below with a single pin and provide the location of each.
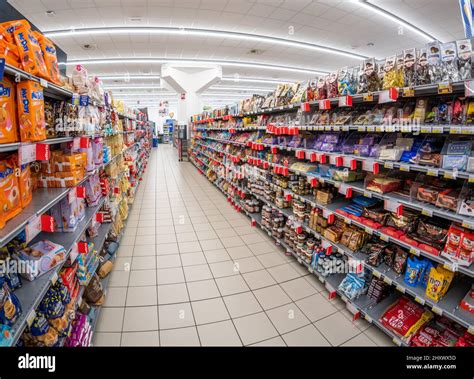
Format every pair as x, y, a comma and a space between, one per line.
211, 304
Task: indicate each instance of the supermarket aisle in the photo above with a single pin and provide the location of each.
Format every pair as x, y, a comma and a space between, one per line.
192, 271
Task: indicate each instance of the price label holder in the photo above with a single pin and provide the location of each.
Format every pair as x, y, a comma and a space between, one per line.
453, 267
31, 317
468, 224
408, 92
388, 96
432, 172
43, 83
400, 288
54, 278
445, 88
388, 165
437, 129
405, 167
415, 251
368, 97
387, 280
420, 300
370, 166
393, 206
437, 310
368, 318
384, 237
324, 104
345, 101
427, 212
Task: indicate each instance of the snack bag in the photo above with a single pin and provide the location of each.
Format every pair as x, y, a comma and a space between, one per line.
435, 284
10, 308
414, 271
8, 49
464, 58
409, 57
50, 58
422, 69
449, 67
26, 185
31, 111
390, 73
8, 124
30, 51
434, 62
9, 192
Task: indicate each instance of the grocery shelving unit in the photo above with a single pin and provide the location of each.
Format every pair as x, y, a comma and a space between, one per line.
210, 152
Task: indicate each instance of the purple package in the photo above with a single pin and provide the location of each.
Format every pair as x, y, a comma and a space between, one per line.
283, 141
90, 157
93, 190
98, 151
319, 142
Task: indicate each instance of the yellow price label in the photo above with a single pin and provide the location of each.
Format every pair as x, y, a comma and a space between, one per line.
377, 274
427, 212
437, 310
400, 288
384, 237
408, 92
368, 97
445, 88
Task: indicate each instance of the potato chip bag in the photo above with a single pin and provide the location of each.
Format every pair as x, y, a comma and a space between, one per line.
10, 201
31, 54
50, 58
8, 124
31, 111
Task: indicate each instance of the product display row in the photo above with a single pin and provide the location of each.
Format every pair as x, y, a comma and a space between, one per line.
72, 159
380, 214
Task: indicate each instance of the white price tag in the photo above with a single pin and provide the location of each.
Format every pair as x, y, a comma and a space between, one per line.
44, 83
427, 212
31, 318
437, 310
420, 300
387, 280
432, 172
400, 288
388, 165
33, 228
27, 153
54, 278
368, 318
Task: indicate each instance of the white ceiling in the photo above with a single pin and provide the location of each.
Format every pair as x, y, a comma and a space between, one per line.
338, 24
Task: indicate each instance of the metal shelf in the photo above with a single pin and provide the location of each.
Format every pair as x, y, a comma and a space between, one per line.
50, 90
32, 293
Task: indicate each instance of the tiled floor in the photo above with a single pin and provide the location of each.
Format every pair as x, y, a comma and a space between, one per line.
192, 271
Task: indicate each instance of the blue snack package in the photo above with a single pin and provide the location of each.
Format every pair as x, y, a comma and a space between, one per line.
40, 325
426, 273
10, 308
413, 271
6, 338
52, 305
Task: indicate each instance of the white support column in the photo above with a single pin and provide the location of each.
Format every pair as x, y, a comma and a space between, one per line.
189, 81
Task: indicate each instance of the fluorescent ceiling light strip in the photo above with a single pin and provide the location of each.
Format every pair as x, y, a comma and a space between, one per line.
382, 12
224, 79
108, 61
214, 88
201, 33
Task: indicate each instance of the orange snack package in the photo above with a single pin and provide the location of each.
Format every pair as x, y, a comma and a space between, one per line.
10, 202
8, 124
8, 49
31, 119
50, 58
30, 51
25, 181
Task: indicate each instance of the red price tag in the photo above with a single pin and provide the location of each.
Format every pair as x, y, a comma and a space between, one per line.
83, 247
388, 96
81, 192
84, 142
345, 101
274, 149
47, 224
313, 157
305, 107
43, 152
324, 104
99, 217
313, 182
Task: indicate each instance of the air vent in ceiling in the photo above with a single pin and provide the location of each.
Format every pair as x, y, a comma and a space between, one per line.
89, 46
135, 19
255, 52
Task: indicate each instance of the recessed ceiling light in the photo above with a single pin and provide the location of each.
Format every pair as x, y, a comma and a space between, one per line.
370, 44
135, 19
255, 52
50, 13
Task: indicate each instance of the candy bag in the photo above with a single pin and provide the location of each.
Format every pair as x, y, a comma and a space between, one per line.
8, 123
435, 284
414, 271
409, 59
434, 62
422, 69
390, 73
464, 58
31, 111
449, 66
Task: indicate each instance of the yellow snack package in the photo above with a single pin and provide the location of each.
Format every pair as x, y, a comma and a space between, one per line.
8, 124
435, 284
31, 111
